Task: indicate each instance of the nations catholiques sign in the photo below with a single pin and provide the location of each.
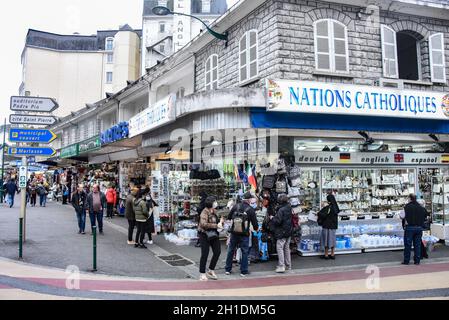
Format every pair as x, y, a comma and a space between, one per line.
346, 99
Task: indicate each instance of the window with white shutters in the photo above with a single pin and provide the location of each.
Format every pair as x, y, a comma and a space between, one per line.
389, 52
211, 82
248, 57
436, 51
331, 46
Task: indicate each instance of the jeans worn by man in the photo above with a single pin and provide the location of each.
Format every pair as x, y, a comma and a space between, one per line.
412, 235
10, 200
94, 217
81, 216
243, 243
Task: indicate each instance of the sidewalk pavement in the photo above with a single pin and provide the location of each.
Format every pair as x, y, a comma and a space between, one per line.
52, 240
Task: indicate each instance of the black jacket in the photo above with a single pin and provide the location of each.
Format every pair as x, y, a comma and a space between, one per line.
331, 217
249, 211
282, 222
90, 202
79, 201
415, 214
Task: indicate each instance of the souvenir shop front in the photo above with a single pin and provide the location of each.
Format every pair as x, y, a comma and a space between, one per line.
370, 147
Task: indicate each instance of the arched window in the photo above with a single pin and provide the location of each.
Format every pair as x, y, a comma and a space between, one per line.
331, 46
211, 70
248, 57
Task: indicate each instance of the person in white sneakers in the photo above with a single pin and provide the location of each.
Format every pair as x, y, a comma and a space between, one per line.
209, 237
151, 204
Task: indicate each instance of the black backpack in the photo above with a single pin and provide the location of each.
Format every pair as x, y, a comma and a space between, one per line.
240, 222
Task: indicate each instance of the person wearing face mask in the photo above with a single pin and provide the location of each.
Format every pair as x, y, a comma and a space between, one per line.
241, 216
209, 237
150, 222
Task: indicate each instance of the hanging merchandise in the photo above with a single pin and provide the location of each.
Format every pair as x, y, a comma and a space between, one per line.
281, 185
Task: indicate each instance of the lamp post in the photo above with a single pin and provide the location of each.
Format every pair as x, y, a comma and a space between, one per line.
164, 11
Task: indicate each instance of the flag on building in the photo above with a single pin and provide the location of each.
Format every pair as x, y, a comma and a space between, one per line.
445, 158
345, 157
236, 173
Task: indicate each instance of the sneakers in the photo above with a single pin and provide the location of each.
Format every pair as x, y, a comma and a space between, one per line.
211, 274
149, 242
280, 269
131, 243
203, 277
289, 268
244, 275
228, 273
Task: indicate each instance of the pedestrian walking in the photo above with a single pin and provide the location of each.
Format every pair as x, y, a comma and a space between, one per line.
201, 207
328, 220
79, 202
151, 205
96, 203
11, 190
65, 193
209, 238
130, 215
414, 215
142, 215
283, 228
42, 192
241, 216
33, 194
111, 199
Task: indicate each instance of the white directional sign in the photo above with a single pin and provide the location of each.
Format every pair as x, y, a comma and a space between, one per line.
31, 119
22, 177
36, 104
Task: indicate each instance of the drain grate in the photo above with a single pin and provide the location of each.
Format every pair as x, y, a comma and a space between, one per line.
171, 258
176, 260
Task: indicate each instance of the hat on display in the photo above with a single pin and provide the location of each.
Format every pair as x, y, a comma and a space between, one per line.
266, 168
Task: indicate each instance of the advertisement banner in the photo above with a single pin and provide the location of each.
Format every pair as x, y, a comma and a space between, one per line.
70, 151
356, 100
371, 158
161, 113
89, 145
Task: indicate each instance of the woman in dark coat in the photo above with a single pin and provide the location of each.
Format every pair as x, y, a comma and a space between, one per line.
150, 223
329, 217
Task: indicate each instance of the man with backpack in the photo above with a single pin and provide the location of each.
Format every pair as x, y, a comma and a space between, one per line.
283, 228
241, 216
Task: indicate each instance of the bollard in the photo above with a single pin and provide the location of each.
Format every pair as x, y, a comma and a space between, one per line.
94, 230
20, 238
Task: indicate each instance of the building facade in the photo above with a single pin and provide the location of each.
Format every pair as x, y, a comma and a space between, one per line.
76, 69
162, 36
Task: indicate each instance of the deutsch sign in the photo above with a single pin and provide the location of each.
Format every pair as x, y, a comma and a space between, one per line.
36, 104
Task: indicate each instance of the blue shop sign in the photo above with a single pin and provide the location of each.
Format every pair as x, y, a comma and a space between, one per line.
116, 133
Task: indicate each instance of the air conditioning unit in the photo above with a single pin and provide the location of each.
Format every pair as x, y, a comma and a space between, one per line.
390, 83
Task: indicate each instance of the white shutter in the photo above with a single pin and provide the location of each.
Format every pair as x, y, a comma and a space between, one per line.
339, 47
436, 53
322, 46
389, 52
253, 61
211, 72
243, 74
248, 56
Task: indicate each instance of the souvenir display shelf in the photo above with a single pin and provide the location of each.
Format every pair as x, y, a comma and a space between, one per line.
440, 207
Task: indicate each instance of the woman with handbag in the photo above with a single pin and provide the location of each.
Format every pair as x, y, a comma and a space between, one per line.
328, 219
208, 234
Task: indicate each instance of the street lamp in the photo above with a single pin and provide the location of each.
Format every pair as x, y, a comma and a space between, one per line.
164, 11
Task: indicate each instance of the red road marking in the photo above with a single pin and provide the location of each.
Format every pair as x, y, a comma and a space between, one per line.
127, 285
4, 286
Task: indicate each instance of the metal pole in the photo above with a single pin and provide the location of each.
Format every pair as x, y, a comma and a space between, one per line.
94, 231
20, 238
3, 162
23, 202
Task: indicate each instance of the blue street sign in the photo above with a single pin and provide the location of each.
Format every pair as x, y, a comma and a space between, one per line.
26, 151
31, 135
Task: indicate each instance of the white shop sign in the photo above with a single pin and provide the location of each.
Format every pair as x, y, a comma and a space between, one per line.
421, 159
346, 99
181, 24
163, 112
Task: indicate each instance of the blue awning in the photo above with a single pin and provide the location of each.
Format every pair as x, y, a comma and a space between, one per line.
260, 118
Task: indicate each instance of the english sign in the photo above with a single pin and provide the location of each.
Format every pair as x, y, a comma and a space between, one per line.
36, 104
346, 99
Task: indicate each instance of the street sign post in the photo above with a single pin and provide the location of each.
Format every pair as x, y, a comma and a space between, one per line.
28, 151
23, 206
31, 119
22, 177
31, 135
34, 104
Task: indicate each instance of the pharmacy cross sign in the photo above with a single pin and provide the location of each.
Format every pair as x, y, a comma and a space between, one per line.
35, 104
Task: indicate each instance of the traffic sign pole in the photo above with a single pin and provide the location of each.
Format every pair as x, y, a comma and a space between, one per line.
23, 204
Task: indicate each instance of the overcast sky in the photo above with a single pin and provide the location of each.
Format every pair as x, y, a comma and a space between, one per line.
57, 16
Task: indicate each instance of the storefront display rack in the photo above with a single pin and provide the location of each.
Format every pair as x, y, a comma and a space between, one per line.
440, 207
